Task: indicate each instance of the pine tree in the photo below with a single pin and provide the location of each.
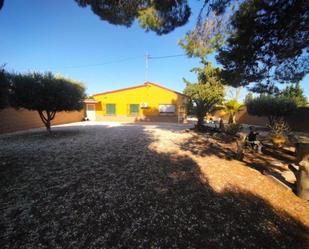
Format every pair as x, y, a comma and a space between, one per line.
296, 93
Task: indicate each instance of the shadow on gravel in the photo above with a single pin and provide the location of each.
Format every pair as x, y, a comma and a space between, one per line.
208, 146
41, 135
107, 189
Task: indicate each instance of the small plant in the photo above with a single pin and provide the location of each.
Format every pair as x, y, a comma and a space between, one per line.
233, 129
278, 130
279, 127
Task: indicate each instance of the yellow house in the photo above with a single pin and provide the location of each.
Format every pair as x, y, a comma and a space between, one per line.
147, 102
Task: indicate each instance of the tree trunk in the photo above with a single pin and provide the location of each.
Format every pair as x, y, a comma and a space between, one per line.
46, 119
200, 113
302, 155
200, 122
48, 126
232, 119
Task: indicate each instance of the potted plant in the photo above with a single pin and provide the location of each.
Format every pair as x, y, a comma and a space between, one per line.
278, 130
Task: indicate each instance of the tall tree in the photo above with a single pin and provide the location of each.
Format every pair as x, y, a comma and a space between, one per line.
46, 94
205, 94
268, 44
4, 87
264, 42
296, 93
160, 16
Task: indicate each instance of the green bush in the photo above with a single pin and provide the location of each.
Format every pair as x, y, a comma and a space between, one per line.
272, 107
233, 129
47, 94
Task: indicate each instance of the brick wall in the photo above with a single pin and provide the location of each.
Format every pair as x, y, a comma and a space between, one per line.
12, 120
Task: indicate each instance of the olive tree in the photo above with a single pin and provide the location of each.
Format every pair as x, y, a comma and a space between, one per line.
46, 94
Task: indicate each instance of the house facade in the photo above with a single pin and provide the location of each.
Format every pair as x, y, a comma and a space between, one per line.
147, 102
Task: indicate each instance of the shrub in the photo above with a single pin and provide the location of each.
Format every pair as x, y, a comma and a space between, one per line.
273, 107
279, 127
233, 129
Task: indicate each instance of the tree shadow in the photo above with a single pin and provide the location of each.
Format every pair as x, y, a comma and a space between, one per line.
206, 145
281, 154
40, 134
273, 162
109, 189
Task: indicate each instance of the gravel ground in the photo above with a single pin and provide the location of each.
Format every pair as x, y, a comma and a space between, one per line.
92, 185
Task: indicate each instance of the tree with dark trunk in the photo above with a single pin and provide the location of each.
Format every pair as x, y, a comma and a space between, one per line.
260, 43
4, 87
205, 94
46, 94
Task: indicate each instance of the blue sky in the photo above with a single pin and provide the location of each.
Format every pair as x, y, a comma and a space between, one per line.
61, 37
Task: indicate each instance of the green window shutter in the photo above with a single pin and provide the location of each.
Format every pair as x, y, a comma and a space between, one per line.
134, 109
110, 109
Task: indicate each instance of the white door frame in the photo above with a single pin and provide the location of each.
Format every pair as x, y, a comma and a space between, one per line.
90, 112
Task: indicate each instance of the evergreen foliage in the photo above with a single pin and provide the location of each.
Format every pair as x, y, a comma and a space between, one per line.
296, 93
268, 44
159, 16
264, 42
46, 94
4, 86
205, 94
273, 107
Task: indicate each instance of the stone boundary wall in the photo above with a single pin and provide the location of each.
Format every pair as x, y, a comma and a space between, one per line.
16, 120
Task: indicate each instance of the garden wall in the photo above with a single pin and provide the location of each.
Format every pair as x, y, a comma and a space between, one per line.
12, 120
298, 121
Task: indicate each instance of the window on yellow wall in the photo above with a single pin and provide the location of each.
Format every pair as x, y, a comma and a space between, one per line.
110, 109
134, 109
168, 109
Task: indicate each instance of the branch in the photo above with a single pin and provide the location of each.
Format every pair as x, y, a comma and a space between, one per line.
52, 116
44, 120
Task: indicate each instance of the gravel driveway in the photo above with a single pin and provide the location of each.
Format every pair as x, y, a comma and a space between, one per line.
92, 185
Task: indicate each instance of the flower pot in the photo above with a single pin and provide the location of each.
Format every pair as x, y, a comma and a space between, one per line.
278, 140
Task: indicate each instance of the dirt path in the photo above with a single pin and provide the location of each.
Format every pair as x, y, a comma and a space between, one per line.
135, 186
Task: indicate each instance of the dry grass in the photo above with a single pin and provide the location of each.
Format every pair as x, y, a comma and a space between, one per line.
139, 187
